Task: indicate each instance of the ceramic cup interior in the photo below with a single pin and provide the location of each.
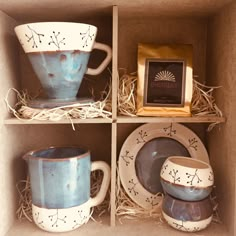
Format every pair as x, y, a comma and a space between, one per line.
189, 162
58, 153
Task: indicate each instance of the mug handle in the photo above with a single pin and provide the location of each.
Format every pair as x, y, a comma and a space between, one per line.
105, 62
105, 168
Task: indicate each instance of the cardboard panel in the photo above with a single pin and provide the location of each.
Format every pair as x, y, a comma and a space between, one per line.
162, 31
38, 10
221, 67
216, 37
8, 144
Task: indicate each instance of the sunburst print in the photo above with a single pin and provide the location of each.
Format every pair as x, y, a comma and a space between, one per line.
165, 75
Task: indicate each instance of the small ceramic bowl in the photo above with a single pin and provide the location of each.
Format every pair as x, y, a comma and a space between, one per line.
185, 215
186, 178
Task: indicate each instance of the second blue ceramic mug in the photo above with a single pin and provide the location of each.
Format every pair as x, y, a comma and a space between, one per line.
60, 176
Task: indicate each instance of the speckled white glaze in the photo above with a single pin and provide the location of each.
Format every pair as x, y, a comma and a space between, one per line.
61, 220
187, 226
187, 171
52, 36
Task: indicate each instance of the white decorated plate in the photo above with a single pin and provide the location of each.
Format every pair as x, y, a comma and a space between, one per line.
144, 152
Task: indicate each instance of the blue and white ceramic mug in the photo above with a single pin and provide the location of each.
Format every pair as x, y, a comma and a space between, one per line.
59, 53
60, 186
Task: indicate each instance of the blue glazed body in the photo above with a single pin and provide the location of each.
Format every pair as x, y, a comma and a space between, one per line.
60, 72
187, 210
59, 177
186, 193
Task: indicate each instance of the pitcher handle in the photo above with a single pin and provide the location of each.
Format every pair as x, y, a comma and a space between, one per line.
105, 62
104, 167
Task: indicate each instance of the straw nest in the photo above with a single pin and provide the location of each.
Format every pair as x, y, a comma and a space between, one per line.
202, 104
127, 209
88, 110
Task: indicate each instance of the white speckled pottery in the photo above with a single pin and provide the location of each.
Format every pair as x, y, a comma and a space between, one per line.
187, 178
187, 226
61, 220
56, 36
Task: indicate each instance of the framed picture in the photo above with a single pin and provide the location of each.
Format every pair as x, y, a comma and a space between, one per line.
164, 80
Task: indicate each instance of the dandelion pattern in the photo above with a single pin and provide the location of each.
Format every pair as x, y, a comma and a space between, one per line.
55, 40
61, 220
187, 226
193, 177
34, 37
82, 218
55, 219
142, 136
170, 130
193, 143
211, 177
180, 226
53, 37
174, 174
152, 200
39, 222
87, 36
127, 158
163, 169
132, 187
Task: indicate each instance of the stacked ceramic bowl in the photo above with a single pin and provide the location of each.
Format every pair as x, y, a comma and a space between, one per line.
187, 184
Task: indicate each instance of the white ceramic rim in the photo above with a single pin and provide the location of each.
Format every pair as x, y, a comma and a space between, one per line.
135, 141
173, 172
54, 22
56, 36
195, 160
